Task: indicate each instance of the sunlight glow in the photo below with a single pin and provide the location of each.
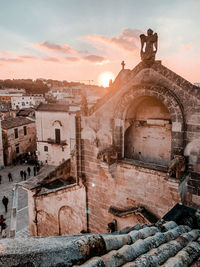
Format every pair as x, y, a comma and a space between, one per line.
105, 77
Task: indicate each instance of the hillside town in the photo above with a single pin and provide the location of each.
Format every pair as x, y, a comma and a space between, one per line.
84, 160
37, 132
100, 133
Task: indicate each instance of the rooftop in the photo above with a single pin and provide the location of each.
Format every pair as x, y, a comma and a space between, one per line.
53, 107
25, 112
10, 122
163, 244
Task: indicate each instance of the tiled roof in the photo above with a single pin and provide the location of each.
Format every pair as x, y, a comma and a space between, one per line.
25, 112
15, 122
169, 245
164, 244
53, 107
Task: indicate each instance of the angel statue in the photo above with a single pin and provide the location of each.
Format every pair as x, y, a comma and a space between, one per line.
151, 41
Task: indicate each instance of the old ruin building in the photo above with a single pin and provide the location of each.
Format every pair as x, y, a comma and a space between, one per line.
148, 121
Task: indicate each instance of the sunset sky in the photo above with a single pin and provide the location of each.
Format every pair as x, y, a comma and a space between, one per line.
77, 40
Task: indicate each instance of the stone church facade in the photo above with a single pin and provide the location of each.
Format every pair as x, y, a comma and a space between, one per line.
149, 120
128, 140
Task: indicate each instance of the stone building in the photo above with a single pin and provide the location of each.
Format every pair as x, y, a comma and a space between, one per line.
26, 101
19, 138
138, 147
56, 202
55, 125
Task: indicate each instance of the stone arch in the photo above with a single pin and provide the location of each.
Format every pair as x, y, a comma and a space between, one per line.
69, 221
165, 96
57, 123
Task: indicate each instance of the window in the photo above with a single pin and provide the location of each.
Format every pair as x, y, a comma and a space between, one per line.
23, 104
46, 148
16, 133
17, 149
57, 136
25, 130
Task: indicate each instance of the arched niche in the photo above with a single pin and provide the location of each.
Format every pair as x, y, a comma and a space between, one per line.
69, 221
148, 131
147, 101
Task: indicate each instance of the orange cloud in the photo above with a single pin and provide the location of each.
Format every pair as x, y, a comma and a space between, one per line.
5, 52
72, 59
187, 47
11, 60
56, 47
52, 59
127, 40
28, 57
95, 59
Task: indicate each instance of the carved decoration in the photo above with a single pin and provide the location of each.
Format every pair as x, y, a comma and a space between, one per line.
176, 166
108, 155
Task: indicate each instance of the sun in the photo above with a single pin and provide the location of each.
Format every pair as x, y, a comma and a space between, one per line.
105, 77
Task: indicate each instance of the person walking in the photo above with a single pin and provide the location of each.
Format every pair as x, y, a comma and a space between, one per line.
38, 168
10, 177
29, 171
22, 174
34, 170
2, 220
3, 230
25, 174
5, 203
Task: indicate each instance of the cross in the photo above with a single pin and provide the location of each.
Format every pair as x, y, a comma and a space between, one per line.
123, 64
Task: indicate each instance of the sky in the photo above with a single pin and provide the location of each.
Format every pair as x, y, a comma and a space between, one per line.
78, 40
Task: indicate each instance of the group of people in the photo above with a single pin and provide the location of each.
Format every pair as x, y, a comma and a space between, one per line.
24, 173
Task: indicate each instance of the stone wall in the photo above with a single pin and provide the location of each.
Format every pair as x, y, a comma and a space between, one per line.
122, 184
60, 212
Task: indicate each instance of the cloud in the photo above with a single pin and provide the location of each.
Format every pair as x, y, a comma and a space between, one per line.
11, 60
72, 59
187, 47
52, 59
5, 52
53, 47
127, 40
95, 59
28, 57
